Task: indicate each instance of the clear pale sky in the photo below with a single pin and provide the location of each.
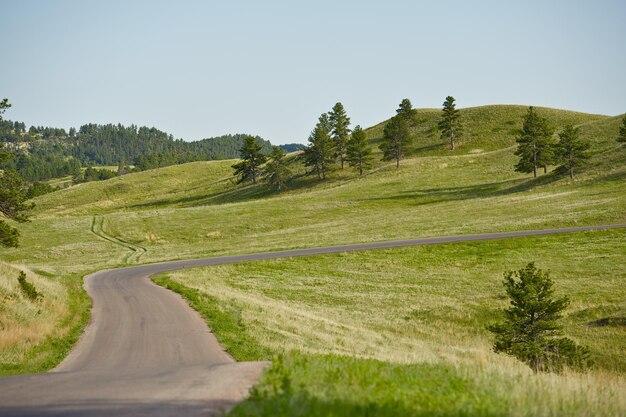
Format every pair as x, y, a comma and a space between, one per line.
204, 68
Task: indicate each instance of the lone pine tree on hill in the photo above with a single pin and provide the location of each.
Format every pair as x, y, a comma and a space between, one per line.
571, 151
340, 131
396, 139
276, 172
319, 155
622, 131
359, 153
450, 123
249, 168
534, 143
531, 326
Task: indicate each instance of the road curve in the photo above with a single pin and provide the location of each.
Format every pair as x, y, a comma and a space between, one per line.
146, 353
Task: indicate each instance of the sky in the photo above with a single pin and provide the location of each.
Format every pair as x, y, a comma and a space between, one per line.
199, 69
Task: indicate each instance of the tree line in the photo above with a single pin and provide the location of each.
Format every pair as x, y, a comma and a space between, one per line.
42, 153
108, 144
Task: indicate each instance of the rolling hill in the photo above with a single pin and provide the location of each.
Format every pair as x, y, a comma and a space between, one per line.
397, 315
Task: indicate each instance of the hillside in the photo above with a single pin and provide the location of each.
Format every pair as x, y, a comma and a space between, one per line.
197, 209
485, 128
199, 183
398, 316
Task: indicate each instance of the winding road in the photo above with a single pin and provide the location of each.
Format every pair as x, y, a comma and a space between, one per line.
146, 353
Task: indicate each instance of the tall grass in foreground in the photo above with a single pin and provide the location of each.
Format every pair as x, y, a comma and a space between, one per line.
37, 330
331, 385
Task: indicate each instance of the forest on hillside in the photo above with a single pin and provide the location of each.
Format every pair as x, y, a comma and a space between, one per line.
42, 153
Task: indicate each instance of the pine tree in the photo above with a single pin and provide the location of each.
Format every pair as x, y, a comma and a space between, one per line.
530, 328
622, 131
407, 112
276, 172
12, 196
359, 153
450, 123
340, 131
319, 155
534, 143
249, 168
396, 139
12, 204
571, 151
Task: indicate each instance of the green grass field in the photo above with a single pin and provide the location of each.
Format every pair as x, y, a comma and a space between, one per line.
196, 209
421, 312
404, 329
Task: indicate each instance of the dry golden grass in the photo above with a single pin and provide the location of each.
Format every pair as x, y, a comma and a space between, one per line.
25, 323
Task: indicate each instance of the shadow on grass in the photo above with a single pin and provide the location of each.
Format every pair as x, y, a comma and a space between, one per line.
493, 189
236, 194
304, 182
233, 195
608, 322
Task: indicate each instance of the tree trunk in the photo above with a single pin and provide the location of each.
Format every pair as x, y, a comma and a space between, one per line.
545, 169
534, 165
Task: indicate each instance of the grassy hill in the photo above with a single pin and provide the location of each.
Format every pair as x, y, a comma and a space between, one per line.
398, 315
486, 128
196, 209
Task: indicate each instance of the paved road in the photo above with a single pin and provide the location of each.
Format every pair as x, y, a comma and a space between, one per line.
146, 353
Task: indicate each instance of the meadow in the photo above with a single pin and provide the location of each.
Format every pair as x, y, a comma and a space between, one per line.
404, 329
356, 322
197, 210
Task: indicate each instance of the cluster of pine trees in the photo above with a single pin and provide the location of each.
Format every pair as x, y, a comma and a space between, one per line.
255, 165
537, 148
40, 168
332, 141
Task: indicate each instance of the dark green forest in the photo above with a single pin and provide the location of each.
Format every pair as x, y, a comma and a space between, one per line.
42, 153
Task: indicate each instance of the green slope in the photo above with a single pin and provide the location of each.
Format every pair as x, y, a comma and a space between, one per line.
197, 209
486, 128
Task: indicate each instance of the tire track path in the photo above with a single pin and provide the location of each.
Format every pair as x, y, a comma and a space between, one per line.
135, 251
